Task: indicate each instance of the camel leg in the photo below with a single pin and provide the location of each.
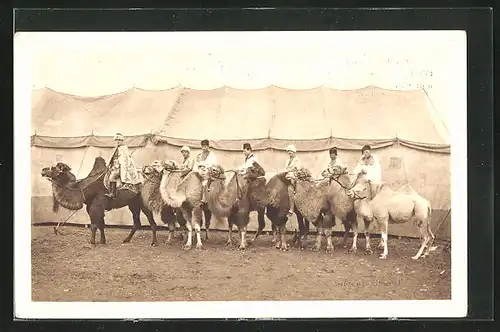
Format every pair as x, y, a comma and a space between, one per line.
208, 218
429, 245
93, 231
243, 241
152, 224
329, 242
303, 230
189, 227
168, 217
96, 213
368, 249
195, 217
306, 225
136, 217
319, 238
347, 229
262, 224
384, 225
242, 219
354, 246
101, 231
426, 239
230, 222
282, 231
275, 235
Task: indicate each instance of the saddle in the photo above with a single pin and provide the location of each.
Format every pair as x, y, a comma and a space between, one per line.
120, 185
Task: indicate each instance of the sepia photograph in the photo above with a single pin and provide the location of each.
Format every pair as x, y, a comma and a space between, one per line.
241, 174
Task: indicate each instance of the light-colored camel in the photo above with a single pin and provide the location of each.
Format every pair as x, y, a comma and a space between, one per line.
184, 193
388, 206
152, 199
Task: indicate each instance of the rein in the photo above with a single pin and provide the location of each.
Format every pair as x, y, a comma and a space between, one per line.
336, 179
150, 179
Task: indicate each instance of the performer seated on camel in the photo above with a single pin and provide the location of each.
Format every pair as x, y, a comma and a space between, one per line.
292, 164
204, 160
250, 158
122, 167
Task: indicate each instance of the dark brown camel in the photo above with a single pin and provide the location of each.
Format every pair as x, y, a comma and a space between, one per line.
311, 199
91, 191
243, 194
278, 207
348, 209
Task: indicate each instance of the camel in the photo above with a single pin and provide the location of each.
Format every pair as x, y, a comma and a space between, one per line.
90, 191
184, 193
152, 199
388, 206
347, 209
244, 193
277, 209
311, 199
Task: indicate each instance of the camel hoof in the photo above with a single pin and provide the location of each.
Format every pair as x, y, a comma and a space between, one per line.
284, 247
154, 244
102, 242
383, 257
329, 250
126, 241
414, 257
316, 249
187, 247
229, 243
167, 242
242, 247
368, 252
199, 246
352, 250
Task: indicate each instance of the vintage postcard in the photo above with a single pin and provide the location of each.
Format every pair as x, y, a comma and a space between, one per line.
240, 174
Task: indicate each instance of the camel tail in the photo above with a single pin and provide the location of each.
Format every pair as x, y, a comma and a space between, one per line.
55, 204
429, 219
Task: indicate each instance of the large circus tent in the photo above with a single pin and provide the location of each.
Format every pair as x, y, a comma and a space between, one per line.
403, 128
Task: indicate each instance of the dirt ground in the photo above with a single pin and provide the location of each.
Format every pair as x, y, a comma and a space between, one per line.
68, 268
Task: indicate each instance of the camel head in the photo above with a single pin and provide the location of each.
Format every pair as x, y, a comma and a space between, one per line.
216, 172
59, 173
169, 165
254, 171
334, 172
302, 174
361, 188
155, 169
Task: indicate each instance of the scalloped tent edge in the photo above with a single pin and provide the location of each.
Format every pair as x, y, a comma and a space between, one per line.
319, 144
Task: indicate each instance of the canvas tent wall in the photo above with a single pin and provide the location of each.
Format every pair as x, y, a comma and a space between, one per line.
402, 127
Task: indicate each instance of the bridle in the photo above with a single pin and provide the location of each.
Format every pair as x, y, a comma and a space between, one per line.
335, 177
150, 179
